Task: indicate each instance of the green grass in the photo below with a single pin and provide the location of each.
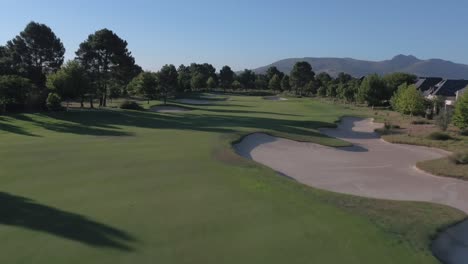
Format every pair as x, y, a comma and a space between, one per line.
122, 186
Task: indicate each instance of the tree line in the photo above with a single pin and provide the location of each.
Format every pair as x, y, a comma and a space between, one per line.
33, 76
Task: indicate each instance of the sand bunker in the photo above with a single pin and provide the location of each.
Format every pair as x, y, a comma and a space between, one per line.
195, 101
370, 168
274, 98
168, 109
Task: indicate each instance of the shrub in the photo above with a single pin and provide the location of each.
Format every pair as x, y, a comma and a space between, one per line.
131, 105
439, 136
460, 158
54, 102
408, 100
464, 132
443, 119
460, 118
420, 122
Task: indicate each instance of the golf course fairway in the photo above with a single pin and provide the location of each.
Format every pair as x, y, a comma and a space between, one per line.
121, 186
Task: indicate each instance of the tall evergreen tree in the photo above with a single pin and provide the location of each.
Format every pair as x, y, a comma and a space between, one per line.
226, 77
35, 52
105, 56
301, 75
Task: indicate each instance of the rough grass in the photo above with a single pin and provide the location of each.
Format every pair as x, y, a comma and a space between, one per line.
445, 167
122, 186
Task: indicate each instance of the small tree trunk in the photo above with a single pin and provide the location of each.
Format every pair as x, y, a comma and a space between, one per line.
91, 102
82, 102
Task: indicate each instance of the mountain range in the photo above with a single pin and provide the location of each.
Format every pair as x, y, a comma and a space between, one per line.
358, 68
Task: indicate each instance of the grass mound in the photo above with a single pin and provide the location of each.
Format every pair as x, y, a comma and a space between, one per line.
460, 158
130, 105
439, 136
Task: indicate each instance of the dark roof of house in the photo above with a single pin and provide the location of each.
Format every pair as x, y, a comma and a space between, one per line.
449, 87
426, 83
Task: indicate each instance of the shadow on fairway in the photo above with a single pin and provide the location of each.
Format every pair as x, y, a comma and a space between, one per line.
26, 213
14, 129
113, 122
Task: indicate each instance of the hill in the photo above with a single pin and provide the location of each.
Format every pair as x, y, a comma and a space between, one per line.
358, 68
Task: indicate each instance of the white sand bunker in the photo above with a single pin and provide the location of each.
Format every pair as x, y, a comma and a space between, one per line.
370, 168
274, 98
168, 109
195, 101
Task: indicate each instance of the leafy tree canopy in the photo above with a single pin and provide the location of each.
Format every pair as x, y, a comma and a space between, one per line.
35, 52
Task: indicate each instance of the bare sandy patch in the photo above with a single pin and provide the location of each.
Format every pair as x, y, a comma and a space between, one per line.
195, 101
168, 109
274, 98
370, 168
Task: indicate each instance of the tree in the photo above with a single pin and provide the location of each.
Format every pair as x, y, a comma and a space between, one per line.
198, 81
408, 100
247, 79
226, 77
5, 62
14, 91
460, 115
275, 83
36, 52
394, 81
211, 83
311, 88
70, 82
183, 78
145, 84
261, 82
167, 80
301, 75
343, 78
372, 90
272, 71
105, 56
332, 89
236, 85
200, 74
285, 83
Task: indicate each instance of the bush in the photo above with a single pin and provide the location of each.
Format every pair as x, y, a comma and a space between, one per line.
460, 158
130, 105
443, 119
460, 117
420, 122
464, 132
54, 102
439, 136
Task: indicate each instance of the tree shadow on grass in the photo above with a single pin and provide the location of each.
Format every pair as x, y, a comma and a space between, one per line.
26, 213
7, 127
112, 122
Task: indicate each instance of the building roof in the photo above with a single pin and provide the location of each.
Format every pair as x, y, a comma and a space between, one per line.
448, 88
426, 83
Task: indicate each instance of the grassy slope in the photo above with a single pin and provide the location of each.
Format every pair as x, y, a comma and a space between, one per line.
135, 187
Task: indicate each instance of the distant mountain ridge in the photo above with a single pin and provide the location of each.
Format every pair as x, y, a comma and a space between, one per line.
358, 68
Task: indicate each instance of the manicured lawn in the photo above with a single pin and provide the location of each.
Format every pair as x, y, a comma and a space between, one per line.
114, 186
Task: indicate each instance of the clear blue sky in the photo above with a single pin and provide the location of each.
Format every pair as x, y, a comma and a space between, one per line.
248, 34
